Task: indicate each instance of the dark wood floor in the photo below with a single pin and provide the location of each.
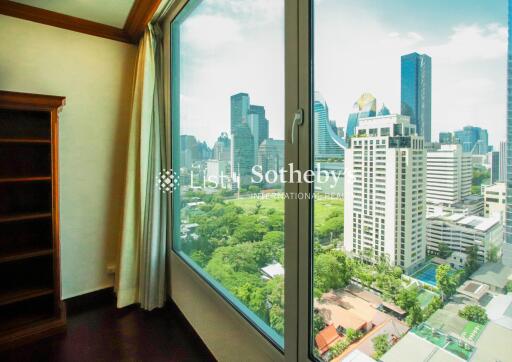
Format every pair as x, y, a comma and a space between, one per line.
100, 332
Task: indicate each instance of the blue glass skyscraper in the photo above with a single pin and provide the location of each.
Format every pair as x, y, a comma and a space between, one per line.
507, 247
474, 140
327, 143
416, 92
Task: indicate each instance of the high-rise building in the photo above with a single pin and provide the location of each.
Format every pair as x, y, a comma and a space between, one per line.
474, 140
503, 161
191, 151
262, 126
222, 148
240, 104
416, 92
271, 155
449, 176
385, 192
445, 138
495, 200
242, 140
364, 107
507, 248
242, 154
494, 165
326, 141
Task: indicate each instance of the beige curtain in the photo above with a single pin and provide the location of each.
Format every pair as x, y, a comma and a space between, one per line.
141, 276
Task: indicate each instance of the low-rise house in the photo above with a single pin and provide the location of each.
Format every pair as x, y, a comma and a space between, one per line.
495, 275
327, 338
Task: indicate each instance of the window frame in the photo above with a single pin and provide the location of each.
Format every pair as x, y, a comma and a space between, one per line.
184, 275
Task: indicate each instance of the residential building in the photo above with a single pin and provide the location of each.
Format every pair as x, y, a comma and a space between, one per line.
460, 232
416, 92
503, 161
495, 200
474, 140
327, 144
449, 176
385, 191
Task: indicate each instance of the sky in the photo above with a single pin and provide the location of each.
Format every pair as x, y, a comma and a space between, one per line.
231, 46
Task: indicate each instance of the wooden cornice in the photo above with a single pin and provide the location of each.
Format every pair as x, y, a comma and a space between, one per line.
30, 101
140, 15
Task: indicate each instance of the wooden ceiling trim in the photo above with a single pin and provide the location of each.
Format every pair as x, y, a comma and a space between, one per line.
140, 15
52, 18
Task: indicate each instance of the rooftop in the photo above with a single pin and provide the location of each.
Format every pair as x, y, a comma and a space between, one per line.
272, 270
494, 274
473, 289
414, 348
493, 344
326, 338
474, 222
499, 310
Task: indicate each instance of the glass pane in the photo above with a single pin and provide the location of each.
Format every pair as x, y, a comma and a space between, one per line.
228, 134
410, 156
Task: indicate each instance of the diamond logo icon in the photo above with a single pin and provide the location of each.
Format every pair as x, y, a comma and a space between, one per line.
167, 180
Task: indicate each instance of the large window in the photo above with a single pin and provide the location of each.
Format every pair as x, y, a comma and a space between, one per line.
228, 135
409, 108
393, 117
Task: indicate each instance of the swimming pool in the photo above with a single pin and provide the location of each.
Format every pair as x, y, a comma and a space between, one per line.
427, 274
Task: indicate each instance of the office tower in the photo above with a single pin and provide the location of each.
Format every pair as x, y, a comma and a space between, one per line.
416, 92
258, 125
449, 175
385, 192
503, 161
242, 154
328, 145
364, 107
494, 163
474, 140
459, 232
445, 138
507, 248
192, 151
222, 148
259, 112
242, 140
239, 109
495, 200
271, 155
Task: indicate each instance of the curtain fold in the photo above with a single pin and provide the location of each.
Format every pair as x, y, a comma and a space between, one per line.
141, 273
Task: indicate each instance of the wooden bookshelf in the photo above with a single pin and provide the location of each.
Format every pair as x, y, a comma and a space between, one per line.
30, 299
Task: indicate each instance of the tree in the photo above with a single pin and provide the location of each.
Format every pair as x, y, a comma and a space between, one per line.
338, 348
444, 250
352, 335
380, 345
332, 270
445, 281
472, 260
435, 304
318, 323
407, 299
474, 313
508, 287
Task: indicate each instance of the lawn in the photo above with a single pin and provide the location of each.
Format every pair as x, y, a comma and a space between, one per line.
323, 207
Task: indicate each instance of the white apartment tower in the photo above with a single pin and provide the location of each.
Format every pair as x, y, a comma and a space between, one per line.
449, 175
385, 192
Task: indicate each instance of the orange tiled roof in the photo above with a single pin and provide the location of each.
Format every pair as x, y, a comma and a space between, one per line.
326, 338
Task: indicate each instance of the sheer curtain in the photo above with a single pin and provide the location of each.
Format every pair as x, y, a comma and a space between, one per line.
141, 272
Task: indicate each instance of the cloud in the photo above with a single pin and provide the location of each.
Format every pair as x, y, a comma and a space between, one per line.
472, 43
210, 32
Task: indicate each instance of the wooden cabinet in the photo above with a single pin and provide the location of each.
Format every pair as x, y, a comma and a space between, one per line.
30, 297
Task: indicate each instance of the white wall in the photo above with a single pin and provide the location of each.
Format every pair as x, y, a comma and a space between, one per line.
95, 75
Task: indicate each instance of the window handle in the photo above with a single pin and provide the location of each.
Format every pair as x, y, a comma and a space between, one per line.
298, 120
